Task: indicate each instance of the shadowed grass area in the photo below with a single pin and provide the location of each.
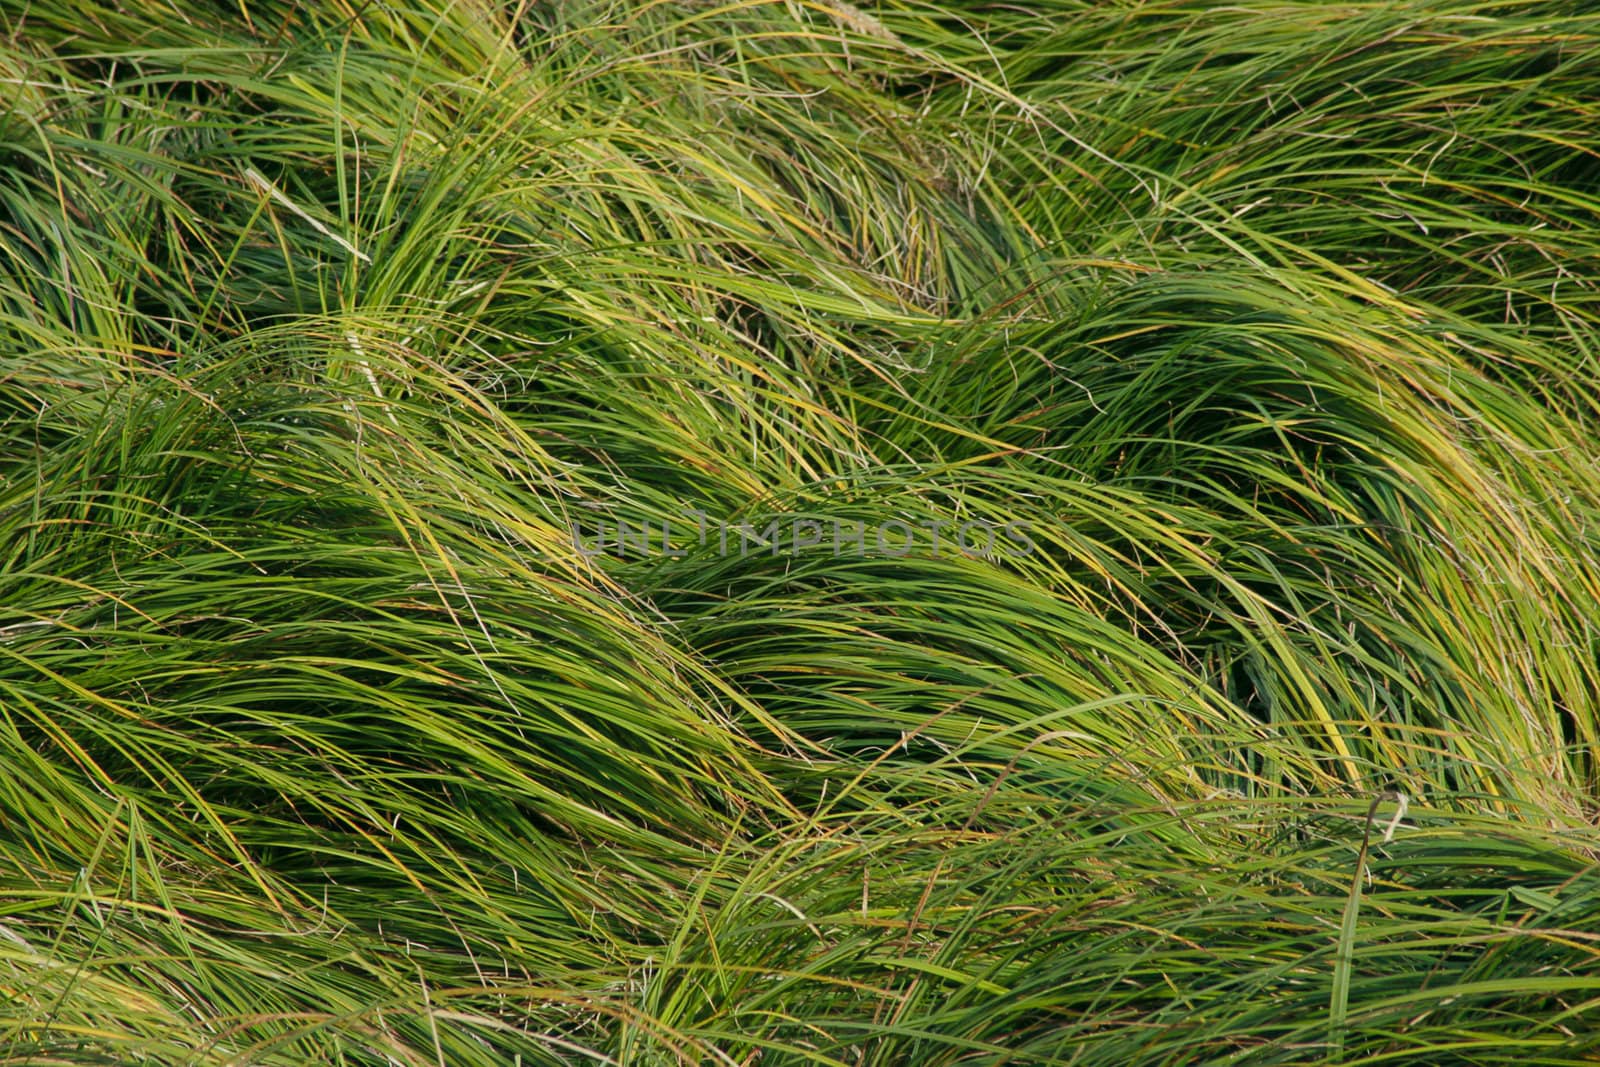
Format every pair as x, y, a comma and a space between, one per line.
798, 533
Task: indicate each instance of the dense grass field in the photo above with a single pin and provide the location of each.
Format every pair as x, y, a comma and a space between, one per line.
786, 532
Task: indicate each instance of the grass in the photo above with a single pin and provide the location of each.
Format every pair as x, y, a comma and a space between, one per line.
1255, 344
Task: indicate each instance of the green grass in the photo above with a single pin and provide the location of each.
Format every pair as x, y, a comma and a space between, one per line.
330, 336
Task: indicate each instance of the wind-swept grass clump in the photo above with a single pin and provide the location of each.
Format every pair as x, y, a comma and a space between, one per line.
798, 533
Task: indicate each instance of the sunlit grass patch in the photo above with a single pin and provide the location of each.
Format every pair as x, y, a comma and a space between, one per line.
1100, 506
